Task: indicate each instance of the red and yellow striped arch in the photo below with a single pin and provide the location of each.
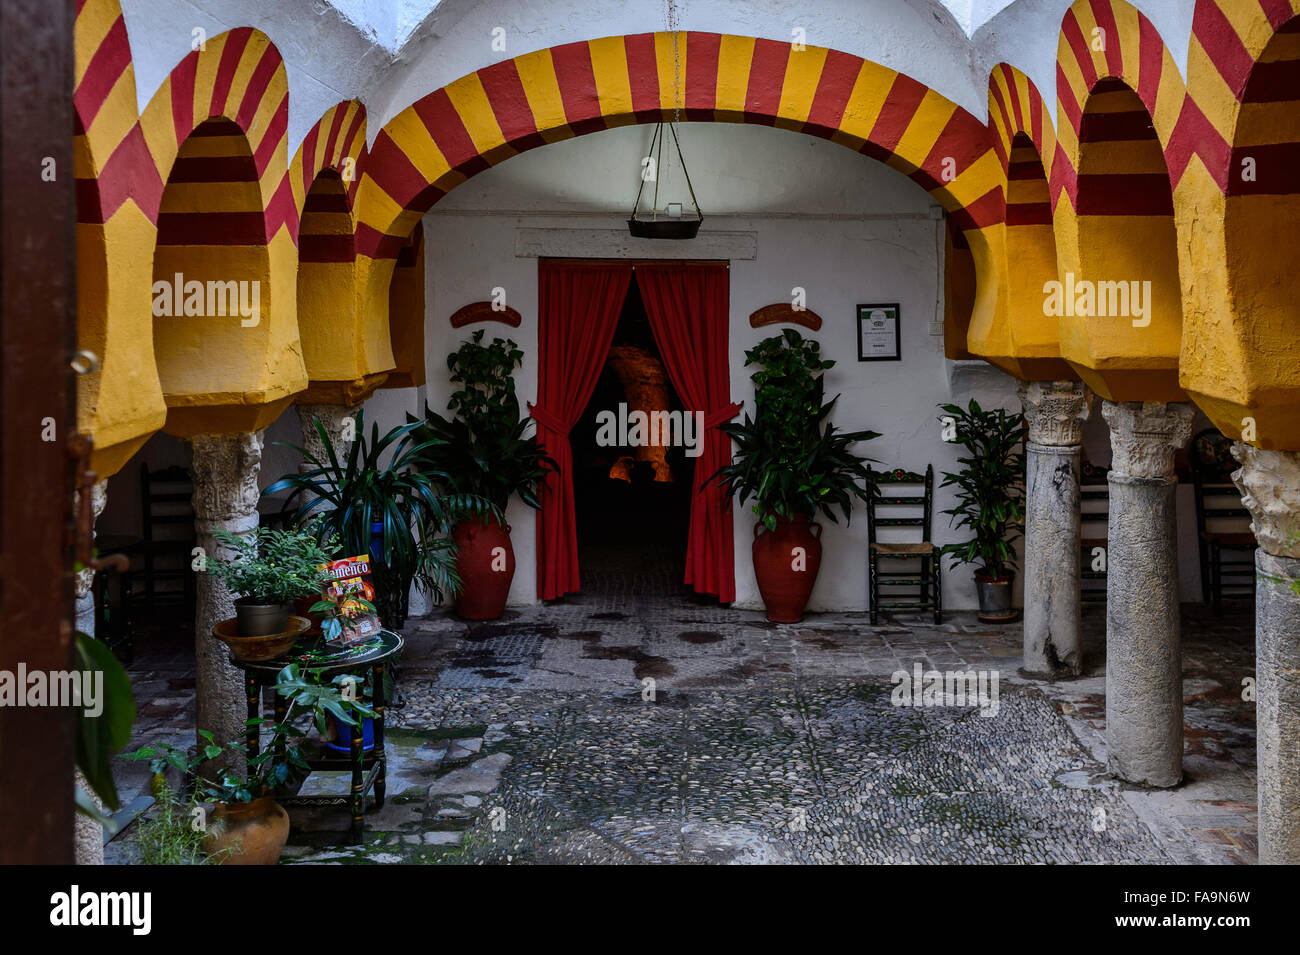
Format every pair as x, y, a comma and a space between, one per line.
121, 403
335, 146
1017, 114
1241, 342
1017, 336
1233, 107
1110, 40
337, 142
480, 119
217, 132
119, 168
1229, 38
1016, 106
346, 352
1119, 95
239, 76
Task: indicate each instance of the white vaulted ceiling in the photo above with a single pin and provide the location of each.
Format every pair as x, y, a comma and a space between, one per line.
389, 53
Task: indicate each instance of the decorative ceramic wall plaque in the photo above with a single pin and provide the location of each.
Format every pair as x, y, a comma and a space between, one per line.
782, 313
484, 312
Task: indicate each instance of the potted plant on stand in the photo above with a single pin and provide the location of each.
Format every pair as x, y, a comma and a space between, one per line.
373, 483
483, 450
268, 570
990, 501
793, 462
245, 825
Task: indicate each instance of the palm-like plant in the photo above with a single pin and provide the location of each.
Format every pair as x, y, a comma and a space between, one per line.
788, 457
375, 482
990, 486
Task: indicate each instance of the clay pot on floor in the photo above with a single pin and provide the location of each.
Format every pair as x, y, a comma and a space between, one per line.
253, 832
786, 562
486, 561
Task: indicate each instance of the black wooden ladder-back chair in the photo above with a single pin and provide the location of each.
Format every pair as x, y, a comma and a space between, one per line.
1222, 522
1094, 520
930, 596
167, 516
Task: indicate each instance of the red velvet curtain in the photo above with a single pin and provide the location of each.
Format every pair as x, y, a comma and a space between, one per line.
577, 313
687, 305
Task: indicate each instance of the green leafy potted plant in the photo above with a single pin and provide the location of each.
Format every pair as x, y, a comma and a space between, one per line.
268, 570
374, 500
483, 451
793, 462
246, 826
990, 492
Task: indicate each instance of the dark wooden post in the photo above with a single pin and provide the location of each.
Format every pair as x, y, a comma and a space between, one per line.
380, 701
37, 409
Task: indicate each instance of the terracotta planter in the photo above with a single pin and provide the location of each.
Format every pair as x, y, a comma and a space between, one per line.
254, 832
995, 598
268, 647
786, 562
486, 562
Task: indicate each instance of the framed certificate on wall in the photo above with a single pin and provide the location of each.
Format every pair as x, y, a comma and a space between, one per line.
878, 333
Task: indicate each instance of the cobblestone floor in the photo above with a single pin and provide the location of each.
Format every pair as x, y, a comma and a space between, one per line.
535, 739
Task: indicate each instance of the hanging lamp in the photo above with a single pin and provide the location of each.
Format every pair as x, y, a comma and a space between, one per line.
666, 223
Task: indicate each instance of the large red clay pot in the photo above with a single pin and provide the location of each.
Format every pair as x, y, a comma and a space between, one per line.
786, 562
487, 565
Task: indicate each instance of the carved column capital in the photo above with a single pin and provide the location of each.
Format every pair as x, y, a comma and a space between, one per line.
1145, 434
225, 468
1270, 488
1055, 411
339, 422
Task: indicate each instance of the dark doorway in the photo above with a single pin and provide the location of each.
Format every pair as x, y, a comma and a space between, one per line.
633, 502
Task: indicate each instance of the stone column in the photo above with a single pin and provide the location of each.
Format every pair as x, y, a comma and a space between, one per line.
335, 420
88, 835
225, 471
1270, 486
1055, 412
1144, 679
84, 581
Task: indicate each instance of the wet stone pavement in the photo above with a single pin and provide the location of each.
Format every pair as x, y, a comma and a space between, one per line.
655, 727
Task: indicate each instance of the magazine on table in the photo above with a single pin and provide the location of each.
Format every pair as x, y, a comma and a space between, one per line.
350, 582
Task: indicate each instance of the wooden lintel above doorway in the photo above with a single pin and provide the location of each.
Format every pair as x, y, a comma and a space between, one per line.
537, 243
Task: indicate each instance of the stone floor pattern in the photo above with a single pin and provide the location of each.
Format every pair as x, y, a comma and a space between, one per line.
537, 739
